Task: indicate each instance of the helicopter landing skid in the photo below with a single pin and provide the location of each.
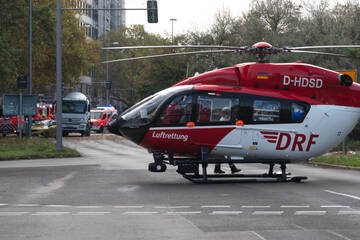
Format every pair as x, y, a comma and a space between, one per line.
190, 172
240, 178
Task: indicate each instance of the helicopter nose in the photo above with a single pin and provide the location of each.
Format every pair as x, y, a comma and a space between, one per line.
128, 129
114, 126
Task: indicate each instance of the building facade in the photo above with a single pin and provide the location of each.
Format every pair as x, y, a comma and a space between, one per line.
98, 22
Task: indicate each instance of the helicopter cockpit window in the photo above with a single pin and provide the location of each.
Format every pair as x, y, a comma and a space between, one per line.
178, 111
266, 111
212, 109
297, 112
144, 112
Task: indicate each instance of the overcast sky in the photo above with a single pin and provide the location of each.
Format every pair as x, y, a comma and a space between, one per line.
190, 14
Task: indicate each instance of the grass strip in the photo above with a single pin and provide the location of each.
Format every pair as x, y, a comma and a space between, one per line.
31, 148
341, 160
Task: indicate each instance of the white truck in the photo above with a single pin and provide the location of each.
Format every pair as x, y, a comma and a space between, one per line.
76, 114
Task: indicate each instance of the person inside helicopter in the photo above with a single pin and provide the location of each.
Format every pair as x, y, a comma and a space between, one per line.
178, 111
226, 116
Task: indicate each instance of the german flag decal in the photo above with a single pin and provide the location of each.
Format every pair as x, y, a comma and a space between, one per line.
262, 75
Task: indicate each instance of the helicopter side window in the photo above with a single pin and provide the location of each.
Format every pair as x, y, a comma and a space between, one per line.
266, 111
178, 111
213, 109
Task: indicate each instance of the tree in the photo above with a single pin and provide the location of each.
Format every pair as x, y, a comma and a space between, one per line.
14, 43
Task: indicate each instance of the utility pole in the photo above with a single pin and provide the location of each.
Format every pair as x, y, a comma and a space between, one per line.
172, 29
30, 60
59, 146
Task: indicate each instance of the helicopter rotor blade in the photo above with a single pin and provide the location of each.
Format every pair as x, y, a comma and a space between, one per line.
329, 46
173, 46
323, 53
170, 54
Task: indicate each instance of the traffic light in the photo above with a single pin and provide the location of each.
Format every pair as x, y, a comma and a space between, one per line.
152, 12
108, 84
22, 82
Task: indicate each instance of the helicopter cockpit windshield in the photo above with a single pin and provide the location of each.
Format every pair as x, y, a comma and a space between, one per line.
144, 112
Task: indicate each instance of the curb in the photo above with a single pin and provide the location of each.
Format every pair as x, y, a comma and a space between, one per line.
327, 165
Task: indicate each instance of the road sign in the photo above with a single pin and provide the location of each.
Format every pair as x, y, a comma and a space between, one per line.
11, 105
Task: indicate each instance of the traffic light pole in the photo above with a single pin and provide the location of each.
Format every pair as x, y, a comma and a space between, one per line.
59, 146
30, 60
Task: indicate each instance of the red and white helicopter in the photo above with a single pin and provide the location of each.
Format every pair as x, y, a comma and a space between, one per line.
277, 113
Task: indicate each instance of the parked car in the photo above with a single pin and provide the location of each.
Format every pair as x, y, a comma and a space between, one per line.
46, 128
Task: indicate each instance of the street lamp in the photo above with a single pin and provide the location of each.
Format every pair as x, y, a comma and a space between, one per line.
172, 29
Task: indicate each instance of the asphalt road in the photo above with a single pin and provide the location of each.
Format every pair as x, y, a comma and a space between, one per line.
109, 194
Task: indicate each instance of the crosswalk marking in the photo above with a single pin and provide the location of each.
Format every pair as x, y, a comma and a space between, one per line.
4, 214
50, 213
140, 213
349, 212
128, 206
226, 212
27, 205
183, 213
91, 213
267, 212
294, 206
310, 213
216, 206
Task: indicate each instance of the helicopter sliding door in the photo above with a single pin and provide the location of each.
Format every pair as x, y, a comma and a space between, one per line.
218, 113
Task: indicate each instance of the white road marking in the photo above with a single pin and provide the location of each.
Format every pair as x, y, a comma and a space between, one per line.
312, 213
3, 214
294, 206
226, 212
343, 194
50, 213
338, 234
90, 213
51, 186
183, 213
349, 212
298, 226
268, 213
216, 206
171, 207
334, 206
128, 206
4, 204
92, 207
258, 235
139, 213
27, 205
255, 206
58, 206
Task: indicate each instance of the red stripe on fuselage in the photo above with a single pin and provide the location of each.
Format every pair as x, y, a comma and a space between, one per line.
184, 140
